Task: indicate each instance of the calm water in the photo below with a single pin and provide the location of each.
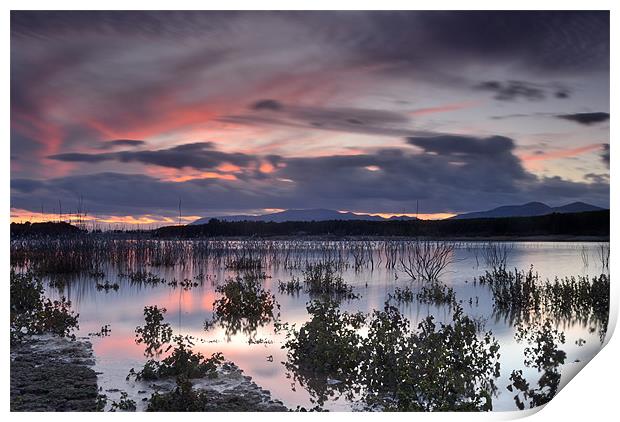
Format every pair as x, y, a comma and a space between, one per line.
188, 309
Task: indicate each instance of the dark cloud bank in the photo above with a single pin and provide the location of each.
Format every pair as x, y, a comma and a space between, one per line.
115, 65
586, 118
442, 172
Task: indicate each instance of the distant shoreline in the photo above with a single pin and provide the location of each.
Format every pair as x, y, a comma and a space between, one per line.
590, 226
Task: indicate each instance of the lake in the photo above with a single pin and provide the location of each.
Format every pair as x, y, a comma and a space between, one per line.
259, 353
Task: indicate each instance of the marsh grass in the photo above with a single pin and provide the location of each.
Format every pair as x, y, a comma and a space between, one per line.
521, 296
322, 280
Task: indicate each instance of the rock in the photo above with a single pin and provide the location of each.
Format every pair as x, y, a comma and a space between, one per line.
50, 373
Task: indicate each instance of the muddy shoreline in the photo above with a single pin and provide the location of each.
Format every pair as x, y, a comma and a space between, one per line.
53, 374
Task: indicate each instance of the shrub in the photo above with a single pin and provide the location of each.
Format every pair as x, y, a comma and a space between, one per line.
394, 368
543, 354
155, 333
321, 280
436, 293
243, 306
33, 313
445, 368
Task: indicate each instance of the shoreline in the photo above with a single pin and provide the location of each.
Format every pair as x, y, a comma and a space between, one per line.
50, 373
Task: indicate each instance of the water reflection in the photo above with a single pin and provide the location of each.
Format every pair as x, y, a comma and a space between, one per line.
373, 282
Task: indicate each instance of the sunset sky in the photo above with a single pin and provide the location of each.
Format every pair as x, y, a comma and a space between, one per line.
251, 112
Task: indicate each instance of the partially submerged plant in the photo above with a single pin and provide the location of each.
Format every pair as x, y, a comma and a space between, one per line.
155, 333
543, 354
404, 295
433, 368
496, 255
521, 296
244, 306
325, 348
426, 260
141, 277
107, 286
181, 360
445, 368
436, 293
33, 313
125, 404
322, 280
182, 399
290, 287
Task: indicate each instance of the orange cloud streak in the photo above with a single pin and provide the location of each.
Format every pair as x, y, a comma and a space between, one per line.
19, 215
552, 155
444, 108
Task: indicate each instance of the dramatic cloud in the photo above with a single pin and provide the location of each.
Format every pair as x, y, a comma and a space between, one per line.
605, 154
586, 118
359, 110
444, 172
119, 143
515, 90
198, 155
352, 120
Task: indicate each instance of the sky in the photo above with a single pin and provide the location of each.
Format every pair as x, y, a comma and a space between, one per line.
129, 117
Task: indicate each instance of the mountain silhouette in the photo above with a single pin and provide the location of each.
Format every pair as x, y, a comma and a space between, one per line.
530, 209
319, 214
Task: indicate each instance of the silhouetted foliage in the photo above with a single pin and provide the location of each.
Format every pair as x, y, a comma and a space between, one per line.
543, 354
595, 223
182, 361
244, 306
521, 296
155, 333
433, 368
33, 313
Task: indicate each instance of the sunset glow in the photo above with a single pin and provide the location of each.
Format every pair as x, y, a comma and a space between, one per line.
169, 115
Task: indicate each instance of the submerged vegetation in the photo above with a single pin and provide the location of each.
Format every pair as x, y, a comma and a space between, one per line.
445, 367
321, 280
426, 260
376, 360
521, 296
436, 294
155, 333
244, 306
543, 354
158, 338
33, 313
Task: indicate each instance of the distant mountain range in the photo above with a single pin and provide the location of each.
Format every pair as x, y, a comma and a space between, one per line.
530, 209
303, 215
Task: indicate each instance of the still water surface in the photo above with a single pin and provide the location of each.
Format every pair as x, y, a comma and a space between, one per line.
188, 309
